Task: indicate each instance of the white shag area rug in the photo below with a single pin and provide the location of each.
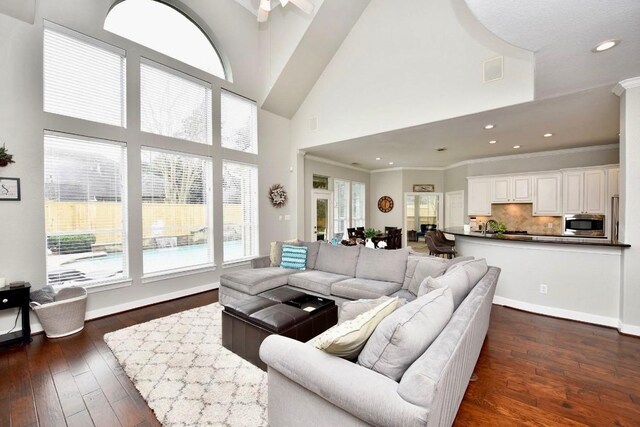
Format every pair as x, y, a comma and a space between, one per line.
188, 379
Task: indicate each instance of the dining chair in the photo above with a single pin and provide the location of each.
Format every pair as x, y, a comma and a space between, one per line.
437, 250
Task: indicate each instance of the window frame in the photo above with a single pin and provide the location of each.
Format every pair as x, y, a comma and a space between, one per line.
349, 221
256, 213
83, 38
255, 148
196, 268
125, 279
188, 77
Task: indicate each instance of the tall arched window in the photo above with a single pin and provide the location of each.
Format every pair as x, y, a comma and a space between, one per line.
160, 27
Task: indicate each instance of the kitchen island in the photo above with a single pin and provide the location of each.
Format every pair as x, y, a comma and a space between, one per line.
568, 277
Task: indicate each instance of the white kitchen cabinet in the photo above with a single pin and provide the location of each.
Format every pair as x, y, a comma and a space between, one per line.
479, 196
585, 191
511, 189
547, 194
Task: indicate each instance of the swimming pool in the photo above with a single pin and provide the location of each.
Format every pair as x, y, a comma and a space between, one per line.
154, 260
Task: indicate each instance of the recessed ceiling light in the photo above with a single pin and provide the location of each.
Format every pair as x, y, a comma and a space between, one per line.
377, 158
493, 141
440, 148
390, 163
605, 45
548, 135
489, 126
516, 146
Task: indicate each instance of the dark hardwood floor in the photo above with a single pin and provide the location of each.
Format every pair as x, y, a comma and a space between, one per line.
533, 370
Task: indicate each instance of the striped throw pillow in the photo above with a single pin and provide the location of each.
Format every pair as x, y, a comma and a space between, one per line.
294, 257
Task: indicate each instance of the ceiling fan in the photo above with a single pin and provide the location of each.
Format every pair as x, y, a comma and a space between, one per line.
267, 5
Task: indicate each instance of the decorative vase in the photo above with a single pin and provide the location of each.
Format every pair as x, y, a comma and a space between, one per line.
370, 244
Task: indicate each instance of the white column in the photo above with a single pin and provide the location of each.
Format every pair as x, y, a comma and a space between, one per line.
629, 93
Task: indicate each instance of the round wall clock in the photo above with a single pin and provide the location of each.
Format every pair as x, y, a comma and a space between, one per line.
385, 204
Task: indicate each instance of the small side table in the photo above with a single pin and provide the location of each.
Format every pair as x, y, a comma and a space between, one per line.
12, 298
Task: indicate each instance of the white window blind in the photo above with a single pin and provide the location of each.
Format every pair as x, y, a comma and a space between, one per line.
340, 207
85, 210
83, 77
174, 104
357, 204
176, 211
240, 210
239, 123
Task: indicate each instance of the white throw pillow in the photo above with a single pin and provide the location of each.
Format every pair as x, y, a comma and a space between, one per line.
347, 339
456, 280
475, 269
406, 334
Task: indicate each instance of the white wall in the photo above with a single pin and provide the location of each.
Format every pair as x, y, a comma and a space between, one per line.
22, 121
388, 183
582, 282
630, 206
406, 65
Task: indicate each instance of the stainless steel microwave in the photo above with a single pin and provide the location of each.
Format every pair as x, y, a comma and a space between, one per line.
584, 225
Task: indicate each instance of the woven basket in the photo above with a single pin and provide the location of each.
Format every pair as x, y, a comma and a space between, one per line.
65, 317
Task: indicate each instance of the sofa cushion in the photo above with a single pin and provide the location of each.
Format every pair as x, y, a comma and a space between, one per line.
294, 257
426, 267
352, 309
412, 263
457, 281
384, 265
316, 281
256, 280
312, 253
475, 269
405, 334
455, 261
338, 259
347, 339
363, 288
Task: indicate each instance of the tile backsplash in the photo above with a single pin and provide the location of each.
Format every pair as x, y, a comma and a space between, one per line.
518, 216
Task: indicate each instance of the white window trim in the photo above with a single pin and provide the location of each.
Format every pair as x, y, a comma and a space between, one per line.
349, 199
246, 260
193, 269
125, 280
176, 73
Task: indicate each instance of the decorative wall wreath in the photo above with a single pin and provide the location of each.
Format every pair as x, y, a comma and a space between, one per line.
277, 196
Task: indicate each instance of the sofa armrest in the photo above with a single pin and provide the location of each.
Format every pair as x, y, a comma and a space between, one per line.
365, 394
261, 262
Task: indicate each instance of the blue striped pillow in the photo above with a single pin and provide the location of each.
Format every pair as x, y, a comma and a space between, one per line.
294, 257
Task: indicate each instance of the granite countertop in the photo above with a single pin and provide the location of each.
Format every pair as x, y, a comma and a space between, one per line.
530, 238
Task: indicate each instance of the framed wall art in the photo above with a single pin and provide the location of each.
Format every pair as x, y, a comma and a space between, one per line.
9, 189
424, 188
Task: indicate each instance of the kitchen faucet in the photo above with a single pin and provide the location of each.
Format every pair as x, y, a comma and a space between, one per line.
491, 222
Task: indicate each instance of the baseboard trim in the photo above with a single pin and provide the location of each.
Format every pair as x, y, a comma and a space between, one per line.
558, 312
629, 329
36, 327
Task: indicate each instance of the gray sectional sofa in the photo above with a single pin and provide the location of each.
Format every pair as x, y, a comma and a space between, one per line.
342, 272
310, 387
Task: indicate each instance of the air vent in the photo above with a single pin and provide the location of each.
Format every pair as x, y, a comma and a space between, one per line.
313, 123
441, 149
492, 69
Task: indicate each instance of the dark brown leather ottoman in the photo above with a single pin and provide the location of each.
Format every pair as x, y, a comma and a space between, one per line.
282, 311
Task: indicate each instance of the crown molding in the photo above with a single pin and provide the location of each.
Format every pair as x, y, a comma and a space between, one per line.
626, 84
534, 155
473, 161
434, 168
334, 163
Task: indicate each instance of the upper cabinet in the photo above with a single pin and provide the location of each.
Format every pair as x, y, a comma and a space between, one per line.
585, 191
547, 194
511, 189
479, 196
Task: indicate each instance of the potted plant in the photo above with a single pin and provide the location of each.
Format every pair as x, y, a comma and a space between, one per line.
369, 233
499, 229
5, 158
